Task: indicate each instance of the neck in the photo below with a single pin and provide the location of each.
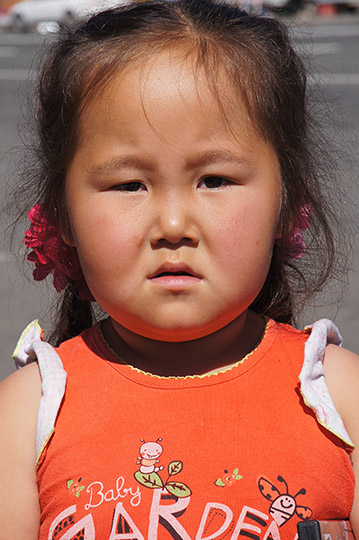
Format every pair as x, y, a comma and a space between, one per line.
205, 355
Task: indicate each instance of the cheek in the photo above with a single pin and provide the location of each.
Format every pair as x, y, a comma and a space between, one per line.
246, 234
103, 236
229, 241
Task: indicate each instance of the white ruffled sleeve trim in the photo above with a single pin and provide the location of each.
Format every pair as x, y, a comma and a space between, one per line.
31, 348
313, 386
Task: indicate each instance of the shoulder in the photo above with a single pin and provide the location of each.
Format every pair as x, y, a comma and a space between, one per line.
21, 392
287, 332
80, 344
342, 376
30, 373
19, 400
292, 340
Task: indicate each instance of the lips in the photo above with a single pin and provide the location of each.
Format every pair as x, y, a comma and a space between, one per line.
174, 270
174, 277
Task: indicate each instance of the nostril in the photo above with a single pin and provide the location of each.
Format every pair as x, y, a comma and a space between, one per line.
173, 243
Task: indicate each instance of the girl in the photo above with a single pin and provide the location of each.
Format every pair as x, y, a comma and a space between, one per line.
176, 177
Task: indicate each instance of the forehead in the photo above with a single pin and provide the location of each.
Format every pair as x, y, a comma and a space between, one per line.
171, 83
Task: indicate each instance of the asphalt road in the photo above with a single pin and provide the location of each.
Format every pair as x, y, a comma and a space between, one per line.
333, 46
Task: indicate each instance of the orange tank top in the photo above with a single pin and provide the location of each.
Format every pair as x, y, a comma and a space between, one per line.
232, 455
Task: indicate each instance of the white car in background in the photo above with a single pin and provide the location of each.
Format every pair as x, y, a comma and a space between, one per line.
29, 13
287, 6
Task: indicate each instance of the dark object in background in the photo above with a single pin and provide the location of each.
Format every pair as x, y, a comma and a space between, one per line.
335, 529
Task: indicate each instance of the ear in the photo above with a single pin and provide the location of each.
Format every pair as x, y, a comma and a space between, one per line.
66, 232
64, 224
284, 228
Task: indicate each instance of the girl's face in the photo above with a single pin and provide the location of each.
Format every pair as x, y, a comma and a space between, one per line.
174, 217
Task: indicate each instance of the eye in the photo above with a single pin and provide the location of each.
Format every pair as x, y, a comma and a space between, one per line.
129, 187
214, 182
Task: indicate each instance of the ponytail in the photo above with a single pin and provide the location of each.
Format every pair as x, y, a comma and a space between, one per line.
72, 316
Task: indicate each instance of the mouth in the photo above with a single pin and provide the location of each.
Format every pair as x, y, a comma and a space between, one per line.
175, 276
289, 505
162, 274
174, 270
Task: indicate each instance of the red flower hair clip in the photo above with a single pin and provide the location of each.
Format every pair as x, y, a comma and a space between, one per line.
294, 243
49, 252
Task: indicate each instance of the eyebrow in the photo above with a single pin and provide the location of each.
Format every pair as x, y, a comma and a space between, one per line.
216, 156
118, 162
202, 159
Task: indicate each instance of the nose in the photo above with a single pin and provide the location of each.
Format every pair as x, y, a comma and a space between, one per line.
174, 222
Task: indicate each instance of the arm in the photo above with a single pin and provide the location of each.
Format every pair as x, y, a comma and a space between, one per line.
19, 506
342, 376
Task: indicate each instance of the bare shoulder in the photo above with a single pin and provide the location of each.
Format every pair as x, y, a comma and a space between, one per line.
19, 397
342, 377
19, 400
22, 376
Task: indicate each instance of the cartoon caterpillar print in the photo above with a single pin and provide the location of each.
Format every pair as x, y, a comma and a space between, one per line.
149, 452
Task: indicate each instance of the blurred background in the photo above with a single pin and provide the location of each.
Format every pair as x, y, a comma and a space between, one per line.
325, 31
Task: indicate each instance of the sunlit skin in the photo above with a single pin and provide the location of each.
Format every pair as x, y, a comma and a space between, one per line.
174, 218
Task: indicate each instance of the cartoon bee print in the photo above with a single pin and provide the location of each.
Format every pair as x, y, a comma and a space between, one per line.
284, 505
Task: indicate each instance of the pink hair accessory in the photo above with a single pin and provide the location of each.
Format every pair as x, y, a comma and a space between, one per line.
49, 252
294, 243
